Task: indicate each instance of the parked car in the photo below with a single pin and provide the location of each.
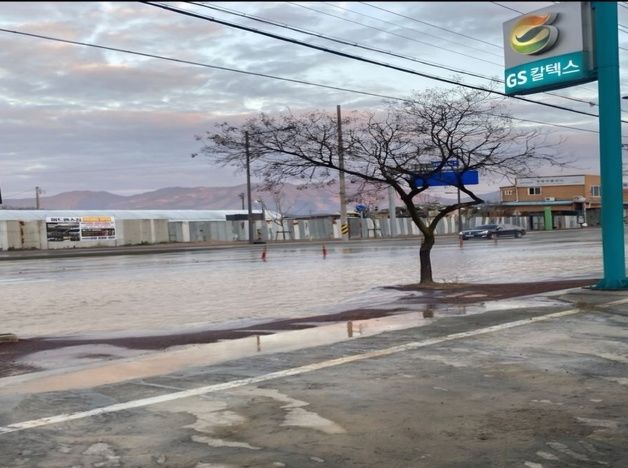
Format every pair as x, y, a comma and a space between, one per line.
489, 231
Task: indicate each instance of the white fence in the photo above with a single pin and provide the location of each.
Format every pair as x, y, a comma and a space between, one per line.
15, 234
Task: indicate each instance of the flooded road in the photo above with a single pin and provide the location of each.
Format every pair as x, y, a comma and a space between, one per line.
221, 288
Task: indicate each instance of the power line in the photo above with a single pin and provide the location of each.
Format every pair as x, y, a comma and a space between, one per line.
262, 75
372, 49
395, 34
508, 8
391, 33
361, 59
545, 123
423, 33
342, 41
453, 32
190, 62
396, 25
428, 24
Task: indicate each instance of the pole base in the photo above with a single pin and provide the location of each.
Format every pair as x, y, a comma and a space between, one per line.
611, 284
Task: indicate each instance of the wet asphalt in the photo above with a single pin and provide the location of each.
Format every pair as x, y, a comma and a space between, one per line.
542, 384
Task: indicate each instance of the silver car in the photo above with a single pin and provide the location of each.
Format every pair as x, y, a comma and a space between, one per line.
490, 231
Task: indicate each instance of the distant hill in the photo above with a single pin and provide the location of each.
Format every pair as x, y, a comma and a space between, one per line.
294, 200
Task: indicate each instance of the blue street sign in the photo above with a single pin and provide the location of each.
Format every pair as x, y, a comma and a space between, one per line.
360, 208
448, 178
449, 163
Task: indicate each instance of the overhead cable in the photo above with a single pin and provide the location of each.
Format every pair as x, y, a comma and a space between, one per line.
261, 75
372, 49
408, 38
430, 24
361, 59
508, 8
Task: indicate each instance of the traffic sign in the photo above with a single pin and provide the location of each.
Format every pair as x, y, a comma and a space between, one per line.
444, 178
448, 163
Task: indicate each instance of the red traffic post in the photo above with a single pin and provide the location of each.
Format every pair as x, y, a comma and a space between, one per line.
264, 254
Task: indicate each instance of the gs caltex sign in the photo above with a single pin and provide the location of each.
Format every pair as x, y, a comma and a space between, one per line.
550, 48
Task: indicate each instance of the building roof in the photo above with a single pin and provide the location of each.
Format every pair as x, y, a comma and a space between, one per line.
537, 203
170, 215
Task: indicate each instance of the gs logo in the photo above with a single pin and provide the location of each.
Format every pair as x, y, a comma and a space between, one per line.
532, 35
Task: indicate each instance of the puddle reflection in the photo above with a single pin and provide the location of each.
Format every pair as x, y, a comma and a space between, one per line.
175, 360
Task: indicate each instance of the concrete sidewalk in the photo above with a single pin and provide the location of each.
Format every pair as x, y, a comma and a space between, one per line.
532, 386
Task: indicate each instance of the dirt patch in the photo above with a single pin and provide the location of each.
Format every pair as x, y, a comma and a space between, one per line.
469, 293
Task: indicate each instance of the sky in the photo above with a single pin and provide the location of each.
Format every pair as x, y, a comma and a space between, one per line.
74, 117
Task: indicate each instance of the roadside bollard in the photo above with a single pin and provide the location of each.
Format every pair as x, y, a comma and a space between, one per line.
461, 241
264, 254
324, 252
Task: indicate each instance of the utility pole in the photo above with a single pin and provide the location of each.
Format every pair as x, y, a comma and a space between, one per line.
247, 150
344, 227
241, 195
37, 192
392, 211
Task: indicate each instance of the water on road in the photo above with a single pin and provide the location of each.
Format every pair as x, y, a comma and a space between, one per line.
219, 288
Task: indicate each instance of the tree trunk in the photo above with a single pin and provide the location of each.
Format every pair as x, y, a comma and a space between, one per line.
424, 255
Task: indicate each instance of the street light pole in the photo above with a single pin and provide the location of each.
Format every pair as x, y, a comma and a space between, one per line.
264, 231
247, 150
459, 214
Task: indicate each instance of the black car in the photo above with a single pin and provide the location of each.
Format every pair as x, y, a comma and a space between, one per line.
490, 231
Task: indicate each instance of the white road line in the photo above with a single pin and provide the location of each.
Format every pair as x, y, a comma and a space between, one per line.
24, 280
274, 375
618, 302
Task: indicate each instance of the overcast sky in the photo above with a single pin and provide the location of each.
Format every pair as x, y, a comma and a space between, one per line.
79, 118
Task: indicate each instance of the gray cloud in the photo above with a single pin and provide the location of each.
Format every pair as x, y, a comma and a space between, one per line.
80, 118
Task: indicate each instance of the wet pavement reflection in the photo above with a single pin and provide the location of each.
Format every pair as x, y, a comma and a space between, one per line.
87, 366
228, 288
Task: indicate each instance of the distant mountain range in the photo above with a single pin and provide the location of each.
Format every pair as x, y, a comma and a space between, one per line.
293, 200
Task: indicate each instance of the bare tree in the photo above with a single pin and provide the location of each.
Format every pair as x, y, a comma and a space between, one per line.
404, 148
281, 209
